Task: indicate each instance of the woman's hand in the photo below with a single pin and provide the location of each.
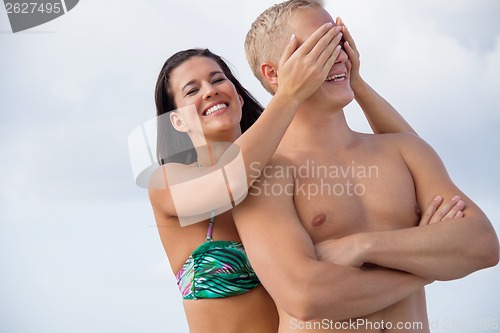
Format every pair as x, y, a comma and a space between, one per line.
352, 52
303, 70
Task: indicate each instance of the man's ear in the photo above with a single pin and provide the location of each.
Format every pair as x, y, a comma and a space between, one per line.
177, 122
269, 72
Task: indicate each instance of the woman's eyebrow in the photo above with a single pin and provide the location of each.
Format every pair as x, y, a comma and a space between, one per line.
215, 73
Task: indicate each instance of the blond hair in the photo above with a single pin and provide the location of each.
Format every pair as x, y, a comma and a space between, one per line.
269, 34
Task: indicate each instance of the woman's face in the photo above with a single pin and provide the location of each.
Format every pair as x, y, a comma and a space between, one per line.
200, 82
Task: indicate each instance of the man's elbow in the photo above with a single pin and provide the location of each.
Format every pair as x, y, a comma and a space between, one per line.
303, 306
300, 299
487, 250
491, 253
306, 302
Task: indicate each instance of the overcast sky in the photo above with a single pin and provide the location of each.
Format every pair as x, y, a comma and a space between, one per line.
78, 248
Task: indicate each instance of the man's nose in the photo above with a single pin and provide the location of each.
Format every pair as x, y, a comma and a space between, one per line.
342, 57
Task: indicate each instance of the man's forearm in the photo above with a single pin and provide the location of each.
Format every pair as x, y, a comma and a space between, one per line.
340, 292
441, 251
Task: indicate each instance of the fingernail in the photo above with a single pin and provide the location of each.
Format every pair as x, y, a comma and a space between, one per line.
437, 198
455, 198
292, 37
329, 24
460, 203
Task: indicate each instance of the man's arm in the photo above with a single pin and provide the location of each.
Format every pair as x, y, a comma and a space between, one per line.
440, 251
283, 256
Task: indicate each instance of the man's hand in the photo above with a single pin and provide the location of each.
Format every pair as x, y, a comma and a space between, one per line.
342, 251
349, 250
434, 213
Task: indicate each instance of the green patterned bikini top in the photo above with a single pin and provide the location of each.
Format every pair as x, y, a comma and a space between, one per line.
216, 269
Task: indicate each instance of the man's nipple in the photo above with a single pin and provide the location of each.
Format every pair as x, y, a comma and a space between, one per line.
318, 220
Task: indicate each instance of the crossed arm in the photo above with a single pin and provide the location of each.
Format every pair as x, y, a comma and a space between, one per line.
283, 256
440, 251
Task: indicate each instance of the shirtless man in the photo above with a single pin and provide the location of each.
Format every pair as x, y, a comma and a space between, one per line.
356, 198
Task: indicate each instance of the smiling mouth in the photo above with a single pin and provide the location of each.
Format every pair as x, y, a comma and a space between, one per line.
336, 77
214, 109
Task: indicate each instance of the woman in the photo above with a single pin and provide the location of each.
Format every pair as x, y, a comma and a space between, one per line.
220, 290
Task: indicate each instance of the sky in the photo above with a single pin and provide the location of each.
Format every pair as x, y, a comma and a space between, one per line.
79, 250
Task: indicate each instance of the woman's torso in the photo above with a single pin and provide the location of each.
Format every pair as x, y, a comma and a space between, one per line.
252, 311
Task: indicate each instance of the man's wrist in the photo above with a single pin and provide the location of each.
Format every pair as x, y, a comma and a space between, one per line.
364, 246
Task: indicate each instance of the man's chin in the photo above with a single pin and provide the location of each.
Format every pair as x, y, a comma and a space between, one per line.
339, 99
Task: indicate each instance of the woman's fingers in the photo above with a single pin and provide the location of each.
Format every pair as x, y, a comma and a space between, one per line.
318, 35
333, 57
325, 45
351, 53
308, 45
289, 49
325, 58
347, 34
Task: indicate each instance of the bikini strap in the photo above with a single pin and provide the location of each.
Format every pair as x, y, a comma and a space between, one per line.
210, 226
212, 218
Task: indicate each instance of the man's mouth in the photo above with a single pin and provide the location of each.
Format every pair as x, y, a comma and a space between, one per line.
214, 109
336, 77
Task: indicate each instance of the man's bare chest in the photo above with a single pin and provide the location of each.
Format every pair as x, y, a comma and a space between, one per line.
335, 197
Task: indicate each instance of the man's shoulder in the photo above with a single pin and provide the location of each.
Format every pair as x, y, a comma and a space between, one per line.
397, 140
283, 158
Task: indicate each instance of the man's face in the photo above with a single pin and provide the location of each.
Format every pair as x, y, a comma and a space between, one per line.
337, 93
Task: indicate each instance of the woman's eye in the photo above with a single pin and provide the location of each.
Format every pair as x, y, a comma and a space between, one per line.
218, 80
191, 92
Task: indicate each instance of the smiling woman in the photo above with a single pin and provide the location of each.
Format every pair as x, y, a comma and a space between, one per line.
217, 103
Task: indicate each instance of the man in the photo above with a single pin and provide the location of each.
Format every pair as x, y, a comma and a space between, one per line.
357, 198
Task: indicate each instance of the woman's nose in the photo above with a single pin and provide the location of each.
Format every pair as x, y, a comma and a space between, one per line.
209, 91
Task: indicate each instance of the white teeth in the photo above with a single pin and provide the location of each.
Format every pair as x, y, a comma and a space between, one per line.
215, 108
336, 77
